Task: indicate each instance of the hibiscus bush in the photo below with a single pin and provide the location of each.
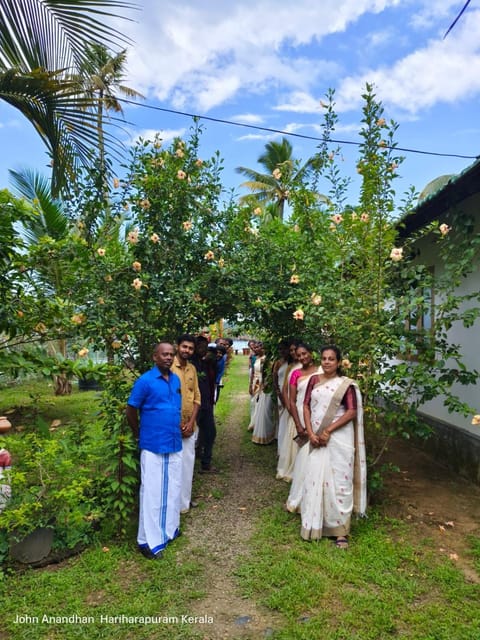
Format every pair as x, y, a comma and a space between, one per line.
336, 271
140, 263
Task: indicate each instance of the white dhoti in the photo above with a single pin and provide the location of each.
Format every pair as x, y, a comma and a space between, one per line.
159, 517
188, 463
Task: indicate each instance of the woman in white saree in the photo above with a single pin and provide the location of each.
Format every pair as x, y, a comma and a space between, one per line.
297, 383
255, 385
335, 473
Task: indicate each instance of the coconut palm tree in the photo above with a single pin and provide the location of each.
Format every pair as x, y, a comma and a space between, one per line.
282, 171
50, 220
101, 76
43, 44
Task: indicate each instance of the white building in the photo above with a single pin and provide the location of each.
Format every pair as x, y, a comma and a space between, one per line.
456, 441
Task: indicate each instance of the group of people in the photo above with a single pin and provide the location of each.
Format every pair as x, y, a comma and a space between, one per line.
171, 413
311, 409
317, 421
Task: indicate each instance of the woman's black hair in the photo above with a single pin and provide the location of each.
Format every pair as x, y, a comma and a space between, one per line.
334, 348
305, 346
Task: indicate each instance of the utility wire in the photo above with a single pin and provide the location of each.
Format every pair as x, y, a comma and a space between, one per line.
290, 133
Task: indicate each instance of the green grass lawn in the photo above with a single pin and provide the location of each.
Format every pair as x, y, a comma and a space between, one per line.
24, 402
387, 585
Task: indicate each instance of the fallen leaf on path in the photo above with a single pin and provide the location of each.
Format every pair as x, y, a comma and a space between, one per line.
453, 556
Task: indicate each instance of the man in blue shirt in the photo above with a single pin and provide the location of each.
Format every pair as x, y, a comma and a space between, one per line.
156, 396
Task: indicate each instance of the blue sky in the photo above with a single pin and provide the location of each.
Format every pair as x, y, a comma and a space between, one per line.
270, 63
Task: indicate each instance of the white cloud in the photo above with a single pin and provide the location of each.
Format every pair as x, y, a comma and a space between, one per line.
443, 71
300, 102
258, 136
206, 53
443, 11
165, 135
248, 118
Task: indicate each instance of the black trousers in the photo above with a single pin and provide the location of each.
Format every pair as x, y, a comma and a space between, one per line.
207, 432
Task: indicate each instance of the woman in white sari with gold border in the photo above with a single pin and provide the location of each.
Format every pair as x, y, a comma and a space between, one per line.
335, 474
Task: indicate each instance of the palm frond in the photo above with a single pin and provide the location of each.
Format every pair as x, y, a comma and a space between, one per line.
51, 34
64, 120
51, 219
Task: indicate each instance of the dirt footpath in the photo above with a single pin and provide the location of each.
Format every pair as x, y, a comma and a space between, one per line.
224, 528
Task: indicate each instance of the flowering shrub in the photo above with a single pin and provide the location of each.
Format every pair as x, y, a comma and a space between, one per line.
367, 286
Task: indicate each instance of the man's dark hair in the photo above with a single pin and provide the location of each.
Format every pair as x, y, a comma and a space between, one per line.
186, 337
201, 339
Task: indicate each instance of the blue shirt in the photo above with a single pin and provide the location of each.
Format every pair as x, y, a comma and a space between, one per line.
221, 368
159, 402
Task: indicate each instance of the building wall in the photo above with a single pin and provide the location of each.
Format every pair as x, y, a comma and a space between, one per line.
457, 441
468, 338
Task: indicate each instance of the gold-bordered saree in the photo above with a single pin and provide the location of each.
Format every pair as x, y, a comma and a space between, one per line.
335, 476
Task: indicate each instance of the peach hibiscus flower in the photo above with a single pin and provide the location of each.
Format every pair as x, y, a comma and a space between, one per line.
137, 284
396, 254
132, 236
298, 314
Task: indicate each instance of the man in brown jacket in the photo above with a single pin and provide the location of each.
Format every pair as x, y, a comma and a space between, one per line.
191, 401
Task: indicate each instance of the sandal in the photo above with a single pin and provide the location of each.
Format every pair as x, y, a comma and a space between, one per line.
341, 543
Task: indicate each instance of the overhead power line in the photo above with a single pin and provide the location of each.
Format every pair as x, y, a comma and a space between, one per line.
289, 133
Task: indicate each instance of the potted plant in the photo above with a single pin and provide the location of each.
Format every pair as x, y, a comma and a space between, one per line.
89, 374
